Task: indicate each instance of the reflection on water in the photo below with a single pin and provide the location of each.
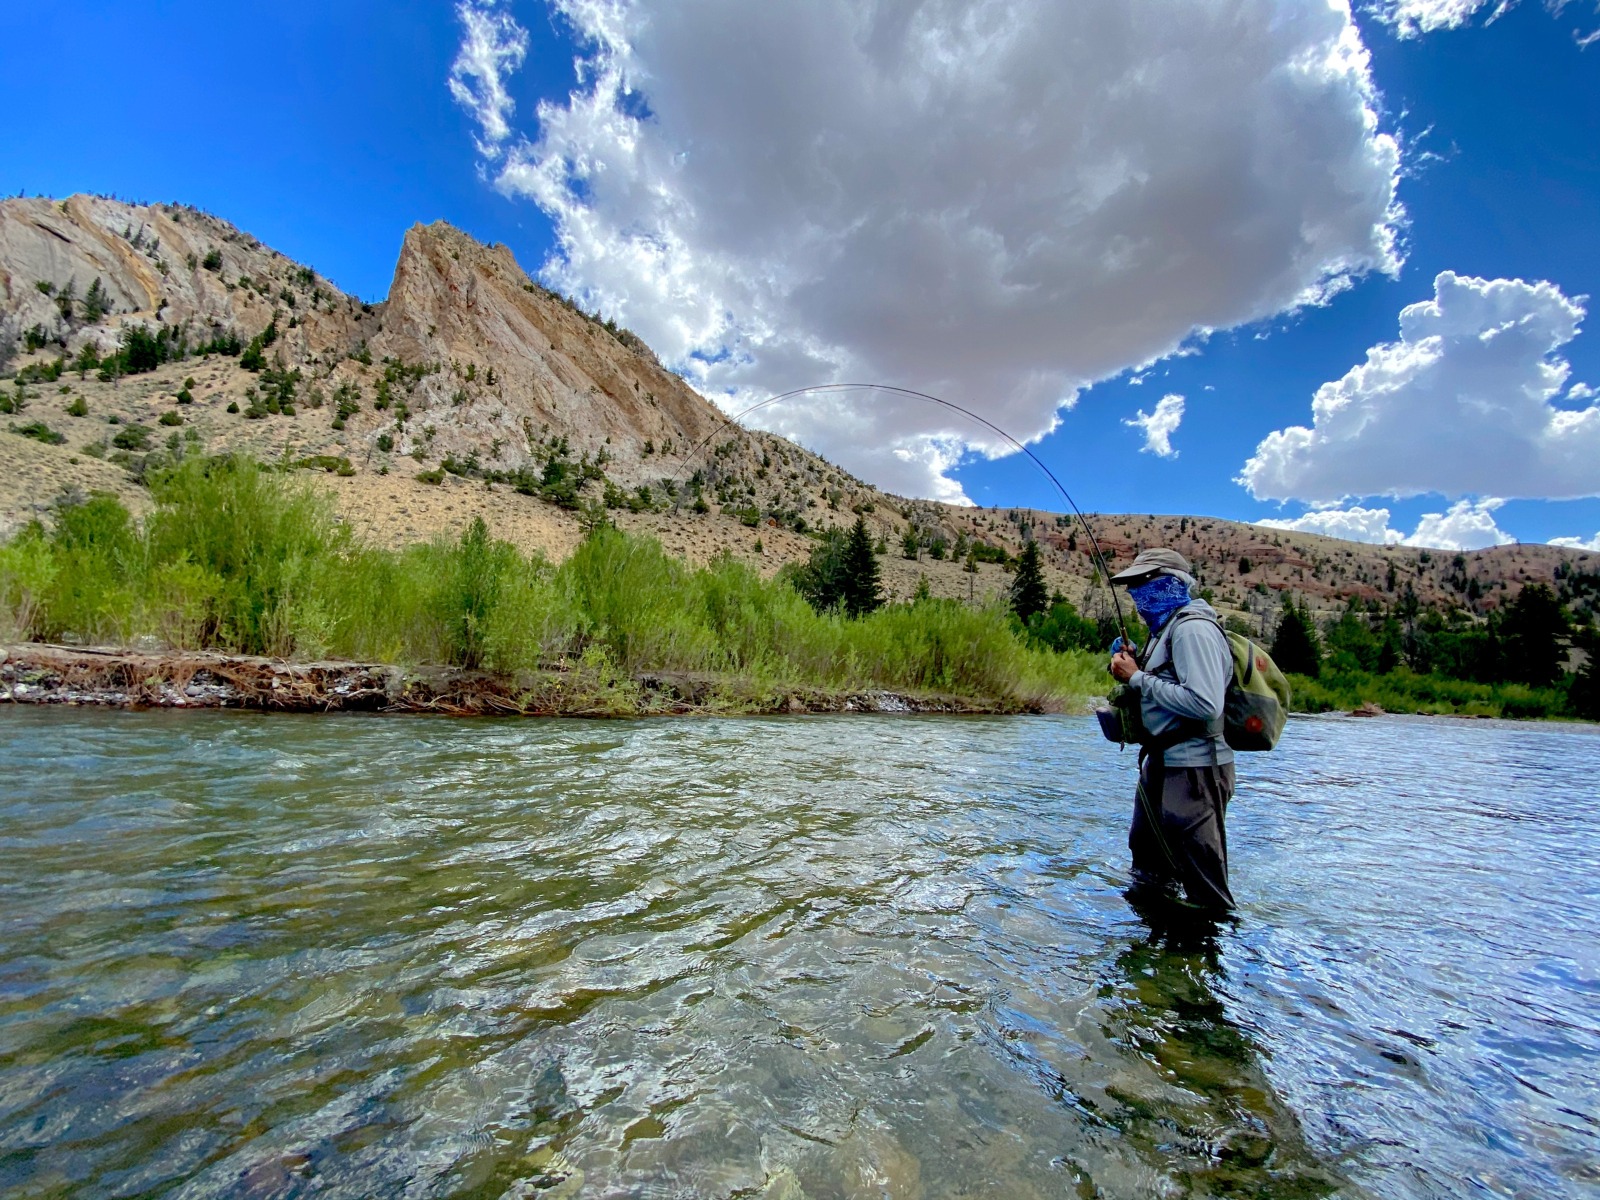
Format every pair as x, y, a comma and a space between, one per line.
831, 957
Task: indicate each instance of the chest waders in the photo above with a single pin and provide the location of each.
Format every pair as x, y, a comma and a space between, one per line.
1153, 751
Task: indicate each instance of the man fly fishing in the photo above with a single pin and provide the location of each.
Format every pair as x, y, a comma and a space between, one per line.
1198, 696
1186, 777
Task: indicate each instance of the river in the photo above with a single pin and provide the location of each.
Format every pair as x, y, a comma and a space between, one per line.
262, 956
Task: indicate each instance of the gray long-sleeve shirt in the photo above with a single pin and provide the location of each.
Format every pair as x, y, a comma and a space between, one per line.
1203, 660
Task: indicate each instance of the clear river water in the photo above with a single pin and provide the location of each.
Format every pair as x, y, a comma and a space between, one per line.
255, 956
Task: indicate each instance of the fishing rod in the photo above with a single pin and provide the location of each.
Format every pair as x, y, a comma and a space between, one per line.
1094, 542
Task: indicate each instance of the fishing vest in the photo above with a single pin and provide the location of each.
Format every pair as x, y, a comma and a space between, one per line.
1255, 706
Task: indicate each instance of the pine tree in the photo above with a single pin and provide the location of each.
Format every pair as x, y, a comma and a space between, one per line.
821, 579
909, 546
96, 302
860, 591
1585, 693
1028, 592
1350, 642
1533, 637
1295, 648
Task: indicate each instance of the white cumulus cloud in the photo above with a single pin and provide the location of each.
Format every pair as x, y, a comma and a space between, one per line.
492, 48
1468, 525
1352, 524
995, 201
1159, 426
1572, 543
1461, 404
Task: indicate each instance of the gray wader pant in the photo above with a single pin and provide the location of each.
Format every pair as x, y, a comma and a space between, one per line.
1178, 834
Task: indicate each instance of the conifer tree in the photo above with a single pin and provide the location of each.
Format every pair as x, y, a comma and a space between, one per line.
1295, 648
1585, 693
1533, 637
96, 302
860, 592
1028, 593
821, 579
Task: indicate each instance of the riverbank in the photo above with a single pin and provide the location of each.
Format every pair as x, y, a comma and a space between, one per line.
110, 677
235, 559
1404, 691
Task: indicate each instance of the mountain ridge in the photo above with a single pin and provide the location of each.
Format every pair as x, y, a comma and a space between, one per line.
476, 378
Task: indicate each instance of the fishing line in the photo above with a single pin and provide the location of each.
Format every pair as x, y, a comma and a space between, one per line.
1094, 542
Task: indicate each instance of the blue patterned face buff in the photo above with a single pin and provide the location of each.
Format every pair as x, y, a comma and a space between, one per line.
1159, 599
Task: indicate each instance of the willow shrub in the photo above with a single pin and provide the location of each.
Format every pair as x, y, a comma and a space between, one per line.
243, 558
638, 602
261, 540
28, 569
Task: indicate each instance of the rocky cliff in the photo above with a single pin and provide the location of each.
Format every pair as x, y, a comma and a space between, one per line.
484, 362
521, 359
158, 265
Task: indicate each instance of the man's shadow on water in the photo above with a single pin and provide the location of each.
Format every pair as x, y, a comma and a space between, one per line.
1219, 1126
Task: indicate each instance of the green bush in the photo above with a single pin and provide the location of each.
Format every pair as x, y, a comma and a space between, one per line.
346, 403
45, 372
29, 567
333, 464
132, 437
1062, 628
98, 555
40, 432
1405, 691
259, 535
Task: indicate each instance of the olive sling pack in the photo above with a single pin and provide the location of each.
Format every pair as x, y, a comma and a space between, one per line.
1255, 707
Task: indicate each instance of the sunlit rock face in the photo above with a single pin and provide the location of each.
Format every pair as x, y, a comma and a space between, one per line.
525, 365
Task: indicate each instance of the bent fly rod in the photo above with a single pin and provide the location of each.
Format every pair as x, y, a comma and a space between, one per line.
1094, 542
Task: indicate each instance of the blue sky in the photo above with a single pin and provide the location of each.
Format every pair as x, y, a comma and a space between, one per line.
327, 130
1510, 111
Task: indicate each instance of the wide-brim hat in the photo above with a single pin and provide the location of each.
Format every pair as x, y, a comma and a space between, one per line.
1150, 563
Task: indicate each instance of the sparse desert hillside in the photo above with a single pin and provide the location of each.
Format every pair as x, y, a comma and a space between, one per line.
454, 397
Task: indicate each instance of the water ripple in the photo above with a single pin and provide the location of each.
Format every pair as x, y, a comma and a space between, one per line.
274, 957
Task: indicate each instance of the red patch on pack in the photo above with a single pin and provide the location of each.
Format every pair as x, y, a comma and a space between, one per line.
1261, 662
